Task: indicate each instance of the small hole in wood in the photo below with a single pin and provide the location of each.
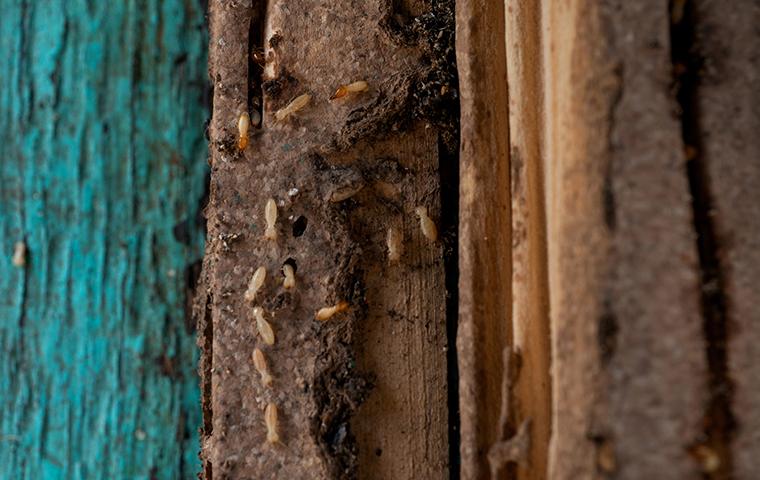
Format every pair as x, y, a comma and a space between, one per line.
299, 226
292, 263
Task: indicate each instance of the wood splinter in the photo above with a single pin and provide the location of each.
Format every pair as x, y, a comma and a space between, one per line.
513, 450
257, 281
260, 362
263, 327
270, 215
327, 313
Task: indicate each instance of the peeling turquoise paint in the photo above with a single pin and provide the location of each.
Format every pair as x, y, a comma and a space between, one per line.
102, 166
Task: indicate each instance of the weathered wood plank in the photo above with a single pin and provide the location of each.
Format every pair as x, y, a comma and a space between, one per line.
629, 368
725, 76
102, 170
393, 335
484, 230
530, 290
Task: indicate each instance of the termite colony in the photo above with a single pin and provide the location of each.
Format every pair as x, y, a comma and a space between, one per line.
264, 330
394, 243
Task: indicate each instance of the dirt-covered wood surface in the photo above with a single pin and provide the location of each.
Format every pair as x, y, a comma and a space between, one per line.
363, 392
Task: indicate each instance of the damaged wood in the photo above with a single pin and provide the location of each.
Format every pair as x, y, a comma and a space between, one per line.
361, 391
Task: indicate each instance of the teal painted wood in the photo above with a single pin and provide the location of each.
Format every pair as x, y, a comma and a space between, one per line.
102, 165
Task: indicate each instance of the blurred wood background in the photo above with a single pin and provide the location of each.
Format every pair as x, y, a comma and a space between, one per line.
102, 170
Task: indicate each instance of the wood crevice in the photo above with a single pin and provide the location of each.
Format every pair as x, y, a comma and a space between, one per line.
714, 450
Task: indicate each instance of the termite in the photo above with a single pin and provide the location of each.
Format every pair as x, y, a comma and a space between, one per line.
270, 215
19, 255
605, 457
426, 224
270, 419
708, 458
295, 105
257, 281
243, 123
290, 276
264, 328
259, 57
344, 193
395, 245
354, 87
326, 313
260, 362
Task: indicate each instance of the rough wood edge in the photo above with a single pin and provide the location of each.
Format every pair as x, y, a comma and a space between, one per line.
484, 229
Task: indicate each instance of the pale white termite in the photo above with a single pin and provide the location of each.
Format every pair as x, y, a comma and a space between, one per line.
270, 215
426, 224
260, 362
243, 123
295, 105
326, 313
257, 281
354, 87
264, 328
290, 276
270, 419
19, 254
395, 244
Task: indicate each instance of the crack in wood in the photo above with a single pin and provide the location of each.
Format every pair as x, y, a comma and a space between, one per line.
714, 451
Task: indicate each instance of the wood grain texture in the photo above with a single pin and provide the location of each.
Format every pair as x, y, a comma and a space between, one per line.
727, 101
530, 290
629, 369
102, 170
393, 336
484, 229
